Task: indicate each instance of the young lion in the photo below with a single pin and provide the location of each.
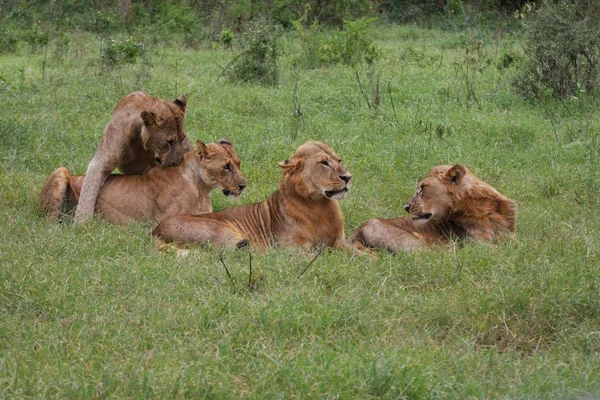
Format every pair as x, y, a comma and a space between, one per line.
302, 213
143, 132
182, 189
450, 202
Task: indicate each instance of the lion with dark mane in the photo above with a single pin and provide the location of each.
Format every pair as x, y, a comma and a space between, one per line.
304, 212
450, 202
181, 189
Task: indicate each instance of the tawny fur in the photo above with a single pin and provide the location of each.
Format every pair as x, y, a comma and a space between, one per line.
450, 202
143, 132
304, 212
182, 189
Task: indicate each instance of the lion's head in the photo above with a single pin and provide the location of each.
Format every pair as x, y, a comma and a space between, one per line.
435, 195
315, 172
221, 167
163, 133
452, 193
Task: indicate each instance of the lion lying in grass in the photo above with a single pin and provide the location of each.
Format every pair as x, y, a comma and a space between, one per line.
304, 212
181, 189
450, 202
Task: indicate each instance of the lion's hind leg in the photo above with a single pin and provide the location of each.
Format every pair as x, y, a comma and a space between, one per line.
57, 196
199, 229
386, 234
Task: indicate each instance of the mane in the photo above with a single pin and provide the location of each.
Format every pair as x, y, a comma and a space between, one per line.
478, 206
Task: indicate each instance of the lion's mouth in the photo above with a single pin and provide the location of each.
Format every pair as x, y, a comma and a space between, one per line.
331, 193
228, 193
424, 217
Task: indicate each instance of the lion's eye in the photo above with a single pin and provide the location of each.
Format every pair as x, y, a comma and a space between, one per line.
227, 167
170, 142
326, 163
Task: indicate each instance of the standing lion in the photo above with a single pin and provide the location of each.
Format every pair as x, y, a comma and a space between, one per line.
143, 132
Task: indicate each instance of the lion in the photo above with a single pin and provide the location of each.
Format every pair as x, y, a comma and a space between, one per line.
181, 189
450, 202
143, 132
303, 213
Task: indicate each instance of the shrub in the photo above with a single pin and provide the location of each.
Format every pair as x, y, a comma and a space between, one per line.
114, 52
258, 61
35, 38
349, 46
563, 50
8, 41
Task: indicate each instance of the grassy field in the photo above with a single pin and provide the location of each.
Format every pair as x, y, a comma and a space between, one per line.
97, 311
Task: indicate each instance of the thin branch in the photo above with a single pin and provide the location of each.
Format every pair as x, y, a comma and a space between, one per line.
318, 254
250, 264
362, 91
550, 118
392, 101
227, 270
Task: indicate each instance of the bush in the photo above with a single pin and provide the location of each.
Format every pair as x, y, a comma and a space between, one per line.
258, 61
36, 39
8, 41
563, 49
349, 46
114, 53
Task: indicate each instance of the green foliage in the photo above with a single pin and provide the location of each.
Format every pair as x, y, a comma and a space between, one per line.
36, 38
8, 40
351, 45
227, 37
563, 52
117, 52
258, 61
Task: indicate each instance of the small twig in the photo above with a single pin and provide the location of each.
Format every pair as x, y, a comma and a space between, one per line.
250, 264
362, 91
227, 270
392, 101
313, 260
550, 118
297, 110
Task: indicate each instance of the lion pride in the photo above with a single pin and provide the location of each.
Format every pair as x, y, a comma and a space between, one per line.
181, 189
304, 212
450, 202
143, 132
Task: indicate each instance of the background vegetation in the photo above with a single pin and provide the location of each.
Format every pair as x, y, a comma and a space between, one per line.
97, 311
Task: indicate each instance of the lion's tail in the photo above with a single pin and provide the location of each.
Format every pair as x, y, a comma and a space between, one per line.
58, 195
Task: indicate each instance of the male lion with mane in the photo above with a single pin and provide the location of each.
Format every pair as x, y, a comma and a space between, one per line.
302, 213
181, 189
143, 132
450, 202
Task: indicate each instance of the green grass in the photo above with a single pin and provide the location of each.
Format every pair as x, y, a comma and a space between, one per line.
97, 311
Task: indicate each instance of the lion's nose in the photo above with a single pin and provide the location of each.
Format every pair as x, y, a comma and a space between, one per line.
241, 186
345, 178
407, 208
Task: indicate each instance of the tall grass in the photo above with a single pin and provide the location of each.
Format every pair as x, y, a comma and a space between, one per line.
97, 311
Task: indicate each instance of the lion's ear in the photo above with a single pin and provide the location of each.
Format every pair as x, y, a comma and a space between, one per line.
285, 164
181, 102
148, 118
225, 142
456, 173
201, 149
290, 166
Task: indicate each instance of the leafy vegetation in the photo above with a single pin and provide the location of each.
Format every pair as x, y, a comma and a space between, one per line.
563, 52
95, 310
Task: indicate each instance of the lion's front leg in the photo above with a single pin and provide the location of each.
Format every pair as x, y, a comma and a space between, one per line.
94, 179
383, 234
